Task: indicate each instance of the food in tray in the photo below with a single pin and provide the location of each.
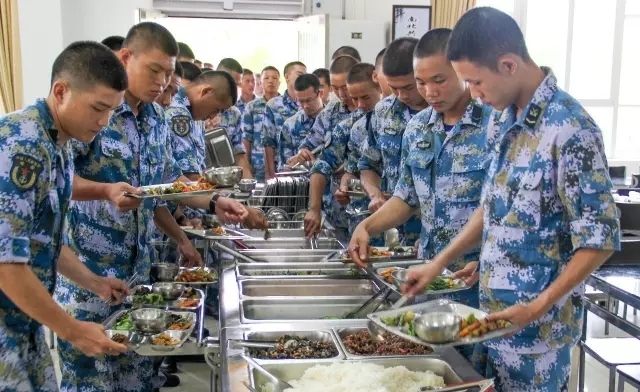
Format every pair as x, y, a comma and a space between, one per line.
219, 230
196, 275
189, 303
471, 327
360, 343
386, 274
147, 299
124, 323
294, 347
351, 271
405, 321
177, 323
401, 249
181, 187
144, 296
441, 283
164, 340
120, 338
361, 376
373, 253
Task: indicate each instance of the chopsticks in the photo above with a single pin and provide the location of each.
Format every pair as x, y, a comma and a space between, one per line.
130, 283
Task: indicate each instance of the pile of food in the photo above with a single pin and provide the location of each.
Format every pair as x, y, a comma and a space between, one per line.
219, 230
164, 340
352, 271
360, 343
181, 187
386, 274
361, 377
374, 253
471, 327
441, 283
124, 323
179, 323
196, 275
120, 338
293, 347
405, 321
143, 296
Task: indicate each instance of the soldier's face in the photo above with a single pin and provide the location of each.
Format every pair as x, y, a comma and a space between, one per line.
149, 72
339, 87
248, 84
438, 82
310, 101
167, 95
207, 104
493, 88
365, 95
404, 87
293, 74
84, 113
325, 86
270, 82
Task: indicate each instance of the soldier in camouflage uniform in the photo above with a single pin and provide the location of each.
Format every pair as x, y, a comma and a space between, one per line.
546, 219
278, 110
247, 87
253, 120
36, 177
295, 129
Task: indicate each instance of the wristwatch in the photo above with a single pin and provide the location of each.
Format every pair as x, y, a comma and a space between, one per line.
212, 204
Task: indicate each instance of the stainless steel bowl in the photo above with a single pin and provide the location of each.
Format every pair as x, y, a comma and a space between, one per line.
355, 185
170, 291
224, 176
247, 185
438, 327
150, 321
164, 272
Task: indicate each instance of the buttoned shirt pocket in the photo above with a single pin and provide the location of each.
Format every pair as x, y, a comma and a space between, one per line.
468, 173
115, 149
525, 211
421, 164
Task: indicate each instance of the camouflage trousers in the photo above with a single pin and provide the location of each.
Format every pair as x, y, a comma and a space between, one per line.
127, 372
514, 372
25, 360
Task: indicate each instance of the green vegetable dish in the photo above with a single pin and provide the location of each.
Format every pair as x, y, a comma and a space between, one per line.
124, 323
148, 299
404, 321
441, 283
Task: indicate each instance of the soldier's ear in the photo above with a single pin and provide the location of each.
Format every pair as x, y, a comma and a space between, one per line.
59, 90
206, 90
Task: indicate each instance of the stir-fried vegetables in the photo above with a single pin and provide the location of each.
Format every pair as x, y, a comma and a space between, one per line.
181, 187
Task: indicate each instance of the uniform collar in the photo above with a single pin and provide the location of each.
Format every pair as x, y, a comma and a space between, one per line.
148, 113
47, 119
534, 111
181, 98
288, 101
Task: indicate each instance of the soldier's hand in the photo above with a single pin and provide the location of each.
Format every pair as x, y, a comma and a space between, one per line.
256, 219
91, 340
116, 195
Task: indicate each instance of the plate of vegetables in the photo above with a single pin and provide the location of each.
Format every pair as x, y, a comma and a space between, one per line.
176, 191
141, 296
377, 253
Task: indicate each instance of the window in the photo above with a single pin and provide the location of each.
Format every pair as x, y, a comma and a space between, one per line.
627, 135
629, 79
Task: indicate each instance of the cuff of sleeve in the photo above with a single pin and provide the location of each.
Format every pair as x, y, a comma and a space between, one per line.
322, 167
239, 150
159, 203
247, 137
410, 198
269, 142
15, 250
594, 235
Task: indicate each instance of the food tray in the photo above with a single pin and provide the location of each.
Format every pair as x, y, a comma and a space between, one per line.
209, 270
172, 196
409, 254
209, 234
459, 283
313, 335
171, 305
341, 333
439, 305
302, 270
141, 343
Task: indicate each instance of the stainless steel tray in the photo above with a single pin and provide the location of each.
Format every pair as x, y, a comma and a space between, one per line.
341, 333
460, 285
288, 255
171, 305
210, 270
315, 335
289, 370
441, 304
292, 243
211, 235
298, 310
297, 271
283, 233
141, 343
171, 196
259, 288
345, 258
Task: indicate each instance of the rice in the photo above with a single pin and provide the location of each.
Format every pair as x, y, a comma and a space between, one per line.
361, 377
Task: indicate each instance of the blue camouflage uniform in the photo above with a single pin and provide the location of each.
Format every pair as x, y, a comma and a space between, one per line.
230, 120
132, 149
442, 174
252, 126
547, 194
241, 104
187, 142
333, 114
294, 130
36, 177
356, 139
278, 110
381, 153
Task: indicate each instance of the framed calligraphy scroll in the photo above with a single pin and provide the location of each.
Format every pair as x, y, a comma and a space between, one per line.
410, 21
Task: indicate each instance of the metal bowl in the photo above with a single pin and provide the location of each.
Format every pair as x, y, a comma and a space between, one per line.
438, 327
247, 185
164, 272
223, 176
170, 291
150, 321
355, 184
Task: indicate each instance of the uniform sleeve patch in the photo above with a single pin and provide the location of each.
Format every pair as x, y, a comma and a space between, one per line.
181, 125
25, 171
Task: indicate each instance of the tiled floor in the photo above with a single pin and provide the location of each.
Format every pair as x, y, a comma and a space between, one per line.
194, 377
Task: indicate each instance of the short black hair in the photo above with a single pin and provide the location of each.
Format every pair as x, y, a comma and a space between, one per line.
483, 34
247, 71
287, 68
398, 58
190, 71
151, 35
360, 73
305, 81
346, 51
222, 81
323, 73
342, 64
230, 65
379, 58
269, 68
185, 51
113, 42
178, 71
85, 64
434, 42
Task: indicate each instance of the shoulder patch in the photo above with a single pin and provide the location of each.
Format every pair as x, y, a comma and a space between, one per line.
25, 171
181, 125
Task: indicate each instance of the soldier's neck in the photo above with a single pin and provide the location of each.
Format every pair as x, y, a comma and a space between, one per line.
532, 77
133, 102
